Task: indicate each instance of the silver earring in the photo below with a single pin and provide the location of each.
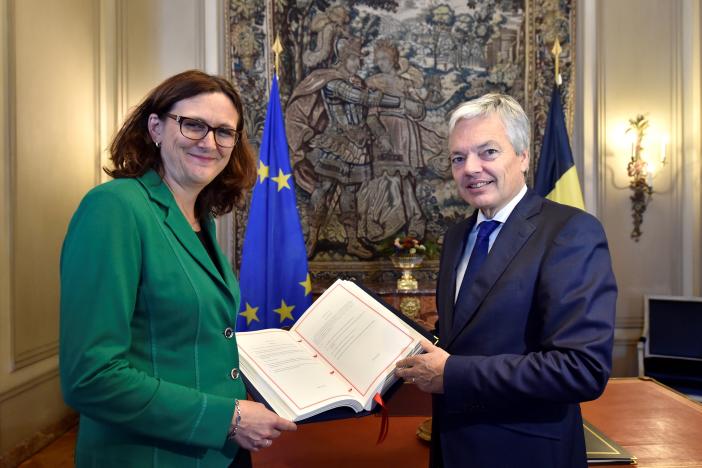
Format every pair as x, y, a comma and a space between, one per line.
158, 144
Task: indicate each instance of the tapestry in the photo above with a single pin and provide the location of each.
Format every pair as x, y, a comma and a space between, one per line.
367, 87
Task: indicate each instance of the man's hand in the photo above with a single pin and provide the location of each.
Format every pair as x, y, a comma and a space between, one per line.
259, 426
425, 370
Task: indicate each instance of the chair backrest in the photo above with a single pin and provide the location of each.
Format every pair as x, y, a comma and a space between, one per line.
673, 327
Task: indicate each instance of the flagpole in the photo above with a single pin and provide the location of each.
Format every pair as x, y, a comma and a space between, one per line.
556, 51
277, 50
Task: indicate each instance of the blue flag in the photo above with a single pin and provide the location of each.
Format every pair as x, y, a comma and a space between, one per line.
275, 284
556, 176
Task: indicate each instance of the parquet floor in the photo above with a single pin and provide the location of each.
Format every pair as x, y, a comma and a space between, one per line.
58, 454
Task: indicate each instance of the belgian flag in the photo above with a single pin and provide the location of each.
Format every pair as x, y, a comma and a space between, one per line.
556, 176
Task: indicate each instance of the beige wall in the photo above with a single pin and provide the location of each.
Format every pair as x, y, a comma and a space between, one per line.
49, 116
68, 74
642, 57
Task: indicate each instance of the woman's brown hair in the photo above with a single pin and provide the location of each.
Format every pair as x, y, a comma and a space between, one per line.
133, 153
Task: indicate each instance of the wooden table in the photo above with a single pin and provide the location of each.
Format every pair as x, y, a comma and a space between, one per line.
660, 427
654, 423
352, 442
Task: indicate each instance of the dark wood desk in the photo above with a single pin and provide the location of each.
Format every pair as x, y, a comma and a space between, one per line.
657, 425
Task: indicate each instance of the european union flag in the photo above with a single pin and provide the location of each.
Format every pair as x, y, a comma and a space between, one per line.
275, 284
556, 177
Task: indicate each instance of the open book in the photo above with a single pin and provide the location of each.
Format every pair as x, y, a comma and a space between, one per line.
341, 352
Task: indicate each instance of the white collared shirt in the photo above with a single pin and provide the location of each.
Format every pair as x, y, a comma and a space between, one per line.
500, 216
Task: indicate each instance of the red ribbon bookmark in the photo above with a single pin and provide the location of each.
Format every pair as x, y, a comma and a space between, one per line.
385, 419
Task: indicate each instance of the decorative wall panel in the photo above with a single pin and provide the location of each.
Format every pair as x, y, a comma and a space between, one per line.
53, 157
367, 87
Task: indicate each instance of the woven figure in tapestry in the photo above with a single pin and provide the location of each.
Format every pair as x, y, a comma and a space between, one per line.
330, 141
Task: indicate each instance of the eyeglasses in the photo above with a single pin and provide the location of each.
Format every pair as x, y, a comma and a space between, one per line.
194, 129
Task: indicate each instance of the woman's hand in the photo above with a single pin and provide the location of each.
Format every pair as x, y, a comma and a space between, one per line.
258, 426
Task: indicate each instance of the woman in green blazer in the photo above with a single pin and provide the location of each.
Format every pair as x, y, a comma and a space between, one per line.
148, 354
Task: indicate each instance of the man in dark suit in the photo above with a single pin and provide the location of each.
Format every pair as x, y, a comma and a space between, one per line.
526, 301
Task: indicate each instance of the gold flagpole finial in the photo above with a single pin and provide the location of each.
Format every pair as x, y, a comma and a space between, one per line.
277, 49
556, 51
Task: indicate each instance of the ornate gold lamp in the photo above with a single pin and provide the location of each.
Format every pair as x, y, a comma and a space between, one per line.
641, 170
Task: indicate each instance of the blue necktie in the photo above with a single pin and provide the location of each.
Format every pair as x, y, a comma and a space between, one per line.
479, 253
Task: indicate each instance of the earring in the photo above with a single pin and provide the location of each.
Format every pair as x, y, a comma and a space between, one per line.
158, 144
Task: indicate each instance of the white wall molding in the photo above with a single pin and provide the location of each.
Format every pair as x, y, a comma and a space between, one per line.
600, 135
214, 31
630, 322
122, 61
585, 129
676, 136
215, 44
199, 28
690, 146
5, 191
11, 178
109, 48
25, 377
48, 145
33, 380
34, 355
10, 145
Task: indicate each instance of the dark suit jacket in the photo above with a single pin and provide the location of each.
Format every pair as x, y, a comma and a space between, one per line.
537, 341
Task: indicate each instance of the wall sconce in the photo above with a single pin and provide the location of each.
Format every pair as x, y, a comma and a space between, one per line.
641, 170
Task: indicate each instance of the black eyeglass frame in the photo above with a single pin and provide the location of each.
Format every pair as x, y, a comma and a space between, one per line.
180, 119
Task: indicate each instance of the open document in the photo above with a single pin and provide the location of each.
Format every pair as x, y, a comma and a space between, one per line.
341, 352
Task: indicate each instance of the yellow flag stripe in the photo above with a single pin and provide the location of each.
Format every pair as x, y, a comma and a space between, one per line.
567, 190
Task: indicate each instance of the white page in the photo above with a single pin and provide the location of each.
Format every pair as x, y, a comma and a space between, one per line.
301, 379
359, 337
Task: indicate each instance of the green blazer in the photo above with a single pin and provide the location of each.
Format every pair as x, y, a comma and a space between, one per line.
147, 356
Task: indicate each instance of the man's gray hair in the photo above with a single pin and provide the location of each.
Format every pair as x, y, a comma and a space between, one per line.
506, 108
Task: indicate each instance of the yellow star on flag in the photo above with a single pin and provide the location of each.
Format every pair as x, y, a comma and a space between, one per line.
281, 179
285, 311
307, 284
262, 171
250, 314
